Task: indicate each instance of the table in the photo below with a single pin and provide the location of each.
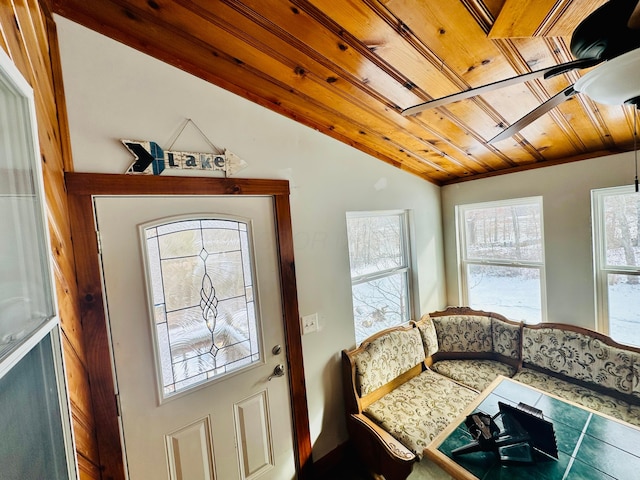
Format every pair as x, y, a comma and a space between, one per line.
591, 446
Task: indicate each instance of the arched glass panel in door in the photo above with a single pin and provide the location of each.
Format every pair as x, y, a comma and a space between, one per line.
200, 277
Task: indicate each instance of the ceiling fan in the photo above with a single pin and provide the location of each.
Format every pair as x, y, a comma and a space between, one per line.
609, 36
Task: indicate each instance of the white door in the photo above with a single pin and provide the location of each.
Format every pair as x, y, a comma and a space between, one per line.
237, 424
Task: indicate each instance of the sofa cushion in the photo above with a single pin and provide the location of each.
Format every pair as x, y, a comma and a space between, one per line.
477, 374
419, 409
578, 356
507, 338
387, 357
429, 336
570, 391
464, 333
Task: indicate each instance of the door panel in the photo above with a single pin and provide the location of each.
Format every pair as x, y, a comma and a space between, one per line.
226, 425
189, 452
252, 429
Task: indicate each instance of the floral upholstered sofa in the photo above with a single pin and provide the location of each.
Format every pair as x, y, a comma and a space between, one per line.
405, 384
395, 404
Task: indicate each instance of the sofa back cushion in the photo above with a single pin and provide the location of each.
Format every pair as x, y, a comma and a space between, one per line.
387, 357
464, 333
428, 334
507, 338
578, 355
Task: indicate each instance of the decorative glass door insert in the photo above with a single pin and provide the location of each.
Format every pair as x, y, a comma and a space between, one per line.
200, 278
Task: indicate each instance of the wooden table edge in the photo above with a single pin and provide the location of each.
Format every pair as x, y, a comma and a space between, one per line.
436, 456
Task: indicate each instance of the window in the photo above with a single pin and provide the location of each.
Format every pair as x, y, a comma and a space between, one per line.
502, 257
34, 416
200, 275
380, 270
616, 221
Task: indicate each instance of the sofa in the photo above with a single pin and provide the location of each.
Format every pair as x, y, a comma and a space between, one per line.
403, 385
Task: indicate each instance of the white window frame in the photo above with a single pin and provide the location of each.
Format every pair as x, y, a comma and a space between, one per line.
407, 269
600, 267
464, 261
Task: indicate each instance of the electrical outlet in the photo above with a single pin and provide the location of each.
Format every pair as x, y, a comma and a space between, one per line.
309, 323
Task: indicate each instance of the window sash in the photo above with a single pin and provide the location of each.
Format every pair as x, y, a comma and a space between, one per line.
381, 274
403, 247
404, 269
462, 210
34, 326
602, 269
465, 261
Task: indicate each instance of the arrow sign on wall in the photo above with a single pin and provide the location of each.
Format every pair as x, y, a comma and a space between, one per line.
151, 159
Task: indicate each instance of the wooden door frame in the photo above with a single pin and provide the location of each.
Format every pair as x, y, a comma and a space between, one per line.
81, 187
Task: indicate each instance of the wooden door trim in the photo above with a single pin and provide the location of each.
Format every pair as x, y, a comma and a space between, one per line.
81, 187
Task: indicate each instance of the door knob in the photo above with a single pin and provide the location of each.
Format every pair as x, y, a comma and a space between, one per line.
277, 372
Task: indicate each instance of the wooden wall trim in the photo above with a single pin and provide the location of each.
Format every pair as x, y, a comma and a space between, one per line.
293, 335
81, 187
96, 341
110, 184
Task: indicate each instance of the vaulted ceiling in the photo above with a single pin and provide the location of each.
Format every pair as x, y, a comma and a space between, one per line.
349, 67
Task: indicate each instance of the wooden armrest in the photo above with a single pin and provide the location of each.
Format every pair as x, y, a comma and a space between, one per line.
380, 451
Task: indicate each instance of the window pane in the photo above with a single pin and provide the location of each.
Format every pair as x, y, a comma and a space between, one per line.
379, 304
25, 298
375, 243
202, 287
621, 219
32, 445
510, 291
624, 308
511, 232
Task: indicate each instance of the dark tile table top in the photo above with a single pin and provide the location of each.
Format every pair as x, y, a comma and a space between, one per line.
590, 446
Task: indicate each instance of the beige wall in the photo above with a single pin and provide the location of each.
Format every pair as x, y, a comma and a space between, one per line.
114, 92
566, 193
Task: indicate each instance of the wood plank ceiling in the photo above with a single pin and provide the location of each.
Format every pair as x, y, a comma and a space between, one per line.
347, 68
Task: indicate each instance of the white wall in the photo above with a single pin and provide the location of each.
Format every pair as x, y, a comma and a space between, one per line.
566, 193
114, 92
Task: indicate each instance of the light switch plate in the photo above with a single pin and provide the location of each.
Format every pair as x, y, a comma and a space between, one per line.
309, 323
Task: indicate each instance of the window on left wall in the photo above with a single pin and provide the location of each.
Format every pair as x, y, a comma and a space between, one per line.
379, 255
34, 407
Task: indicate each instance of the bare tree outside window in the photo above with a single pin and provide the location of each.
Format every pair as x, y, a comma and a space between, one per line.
502, 257
379, 259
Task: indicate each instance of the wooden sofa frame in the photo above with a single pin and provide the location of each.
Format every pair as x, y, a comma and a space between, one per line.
378, 449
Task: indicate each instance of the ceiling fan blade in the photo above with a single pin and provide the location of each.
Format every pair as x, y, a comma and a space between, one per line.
534, 114
574, 65
525, 77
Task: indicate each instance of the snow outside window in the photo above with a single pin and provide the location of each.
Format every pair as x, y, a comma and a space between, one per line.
380, 270
501, 258
616, 222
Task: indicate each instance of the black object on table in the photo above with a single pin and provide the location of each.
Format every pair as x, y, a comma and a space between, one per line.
523, 430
